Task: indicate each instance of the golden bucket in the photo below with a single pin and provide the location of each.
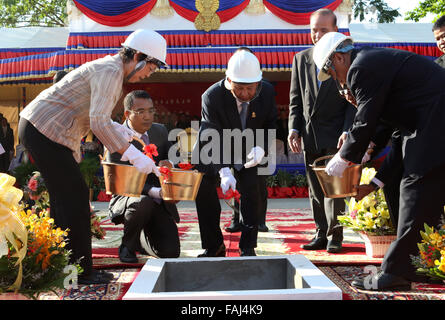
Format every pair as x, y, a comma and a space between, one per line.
122, 179
180, 184
338, 187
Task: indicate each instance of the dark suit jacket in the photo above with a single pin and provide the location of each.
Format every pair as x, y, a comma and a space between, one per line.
441, 61
158, 135
7, 140
319, 114
405, 90
220, 111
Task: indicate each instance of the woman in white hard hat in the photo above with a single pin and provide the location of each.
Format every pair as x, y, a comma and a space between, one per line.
242, 101
405, 90
53, 124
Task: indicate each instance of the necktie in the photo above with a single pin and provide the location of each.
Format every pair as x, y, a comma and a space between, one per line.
243, 117
144, 138
318, 81
243, 114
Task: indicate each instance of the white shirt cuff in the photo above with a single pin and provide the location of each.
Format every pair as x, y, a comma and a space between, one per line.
378, 182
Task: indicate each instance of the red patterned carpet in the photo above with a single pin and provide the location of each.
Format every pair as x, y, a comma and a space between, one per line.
288, 229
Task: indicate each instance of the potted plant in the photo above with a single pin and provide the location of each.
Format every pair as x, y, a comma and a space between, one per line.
33, 256
89, 167
271, 183
431, 258
284, 182
299, 185
370, 218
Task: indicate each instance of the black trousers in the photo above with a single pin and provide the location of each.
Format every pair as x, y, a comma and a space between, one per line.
68, 192
262, 205
391, 190
158, 225
209, 209
324, 210
421, 201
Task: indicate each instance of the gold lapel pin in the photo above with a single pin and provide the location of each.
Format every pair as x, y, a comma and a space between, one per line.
253, 115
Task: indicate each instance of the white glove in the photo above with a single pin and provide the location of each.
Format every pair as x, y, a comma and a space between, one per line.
155, 192
227, 180
256, 154
140, 161
126, 132
336, 166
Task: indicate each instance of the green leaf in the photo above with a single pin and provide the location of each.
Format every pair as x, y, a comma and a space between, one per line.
27, 13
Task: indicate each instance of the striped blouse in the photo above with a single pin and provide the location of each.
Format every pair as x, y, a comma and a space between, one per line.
84, 99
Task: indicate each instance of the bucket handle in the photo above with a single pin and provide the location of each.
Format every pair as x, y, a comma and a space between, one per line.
321, 159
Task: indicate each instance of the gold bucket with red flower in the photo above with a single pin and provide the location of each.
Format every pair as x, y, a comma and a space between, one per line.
179, 184
122, 179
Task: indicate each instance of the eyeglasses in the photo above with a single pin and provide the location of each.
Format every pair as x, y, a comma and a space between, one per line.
327, 66
145, 112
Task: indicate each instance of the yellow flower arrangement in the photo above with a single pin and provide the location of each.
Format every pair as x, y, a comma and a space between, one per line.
431, 258
33, 253
371, 214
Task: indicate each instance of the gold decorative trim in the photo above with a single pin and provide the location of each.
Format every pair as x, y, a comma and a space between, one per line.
207, 18
255, 7
162, 9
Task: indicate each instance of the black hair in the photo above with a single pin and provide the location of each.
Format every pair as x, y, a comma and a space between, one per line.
59, 75
127, 55
136, 94
439, 23
326, 12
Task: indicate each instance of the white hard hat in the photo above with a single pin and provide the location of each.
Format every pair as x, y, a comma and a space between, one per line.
148, 42
323, 50
243, 67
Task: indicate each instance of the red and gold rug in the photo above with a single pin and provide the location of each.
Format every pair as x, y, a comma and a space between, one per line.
288, 230
342, 276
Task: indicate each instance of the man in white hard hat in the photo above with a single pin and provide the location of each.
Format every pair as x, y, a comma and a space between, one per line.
53, 124
242, 101
406, 91
318, 120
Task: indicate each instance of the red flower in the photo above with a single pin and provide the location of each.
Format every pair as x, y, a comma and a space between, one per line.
32, 184
185, 166
232, 194
166, 173
151, 150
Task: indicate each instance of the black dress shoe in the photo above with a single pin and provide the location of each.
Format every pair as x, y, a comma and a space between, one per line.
315, 244
219, 252
234, 227
95, 277
127, 256
382, 281
263, 228
334, 246
247, 252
